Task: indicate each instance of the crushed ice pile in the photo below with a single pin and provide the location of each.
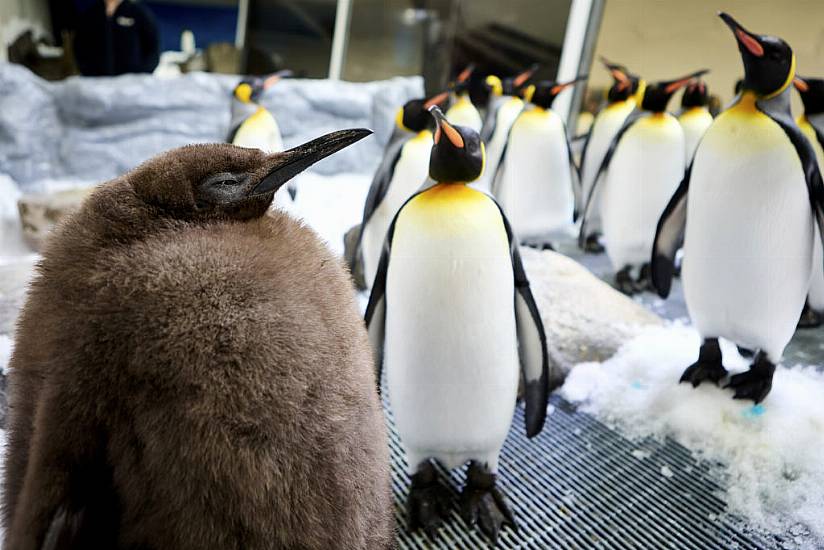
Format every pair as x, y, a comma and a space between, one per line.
772, 452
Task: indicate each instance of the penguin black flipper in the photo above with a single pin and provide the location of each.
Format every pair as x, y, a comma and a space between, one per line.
378, 189
633, 117
532, 342
669, 236
491, 120
778, 109
577, 189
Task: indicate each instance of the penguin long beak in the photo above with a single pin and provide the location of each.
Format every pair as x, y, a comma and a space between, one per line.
681, 82
801, 84
524, 77
275, 78
558, 88
445, 128
465, 74
745, 38
436, 100
290, 163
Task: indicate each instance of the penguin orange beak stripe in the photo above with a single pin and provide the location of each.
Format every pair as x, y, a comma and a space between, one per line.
744, 38
800, 84
672, 86
465, 74
524, 76
558, 88
444, 128
436, 100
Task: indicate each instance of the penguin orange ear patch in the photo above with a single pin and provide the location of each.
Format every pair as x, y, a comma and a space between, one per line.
750, 43
452, 135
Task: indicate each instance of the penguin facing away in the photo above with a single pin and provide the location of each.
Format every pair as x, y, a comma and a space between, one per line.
402, 172
452, 351
189, 373
462, 112
504, 107
252, 125
538, 182
746, 212
695, 115
811, 124
640, 171
622, 99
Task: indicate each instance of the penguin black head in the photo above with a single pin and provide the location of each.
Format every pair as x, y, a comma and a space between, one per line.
457, 155
414, 115
251, 88
222, 181
544, 92
811, 91
625, 84
695, 95
769, 62
511, 85
657, 95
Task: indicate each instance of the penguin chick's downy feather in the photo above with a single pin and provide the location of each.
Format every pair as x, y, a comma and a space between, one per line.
189, 373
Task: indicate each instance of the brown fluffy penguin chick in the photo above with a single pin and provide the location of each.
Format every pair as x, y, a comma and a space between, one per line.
191, 374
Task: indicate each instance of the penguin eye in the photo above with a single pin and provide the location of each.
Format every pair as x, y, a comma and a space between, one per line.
223, 179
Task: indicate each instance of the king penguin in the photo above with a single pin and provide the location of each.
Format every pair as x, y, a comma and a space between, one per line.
811, 123
746, 211
463, 112
623, 96
252, 125
640, 171
402, 172
505, 104
537, 182
453, 318
695, 116
191, 373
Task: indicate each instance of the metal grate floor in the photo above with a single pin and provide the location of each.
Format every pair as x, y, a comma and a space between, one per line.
581, 485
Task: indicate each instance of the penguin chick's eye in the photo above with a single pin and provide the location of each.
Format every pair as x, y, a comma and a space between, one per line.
222, 179
222, 188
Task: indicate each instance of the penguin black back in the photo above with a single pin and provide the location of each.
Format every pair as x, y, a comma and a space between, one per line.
200, 365
811, 91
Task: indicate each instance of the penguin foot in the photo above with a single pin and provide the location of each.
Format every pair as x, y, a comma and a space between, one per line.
539, 245
592, 245
428, 501
624, 282
482, 504
756, 383
810, 318
644, 281
708, 366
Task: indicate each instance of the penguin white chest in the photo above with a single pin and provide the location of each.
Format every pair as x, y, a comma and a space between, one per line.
504, 119
694, 122
749, 233
816, 294
450, 348
464, 113
261, 131
645, 170
536, 187
408, 176
606, 125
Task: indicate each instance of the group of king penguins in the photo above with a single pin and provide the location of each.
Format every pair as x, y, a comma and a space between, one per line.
451, 316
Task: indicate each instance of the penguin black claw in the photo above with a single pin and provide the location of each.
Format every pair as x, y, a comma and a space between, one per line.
593, 246
428, 501
756, 383
708, 366
810, 318
482, 504
624, 282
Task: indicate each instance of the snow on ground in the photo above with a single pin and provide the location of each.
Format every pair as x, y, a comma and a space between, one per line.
772, 451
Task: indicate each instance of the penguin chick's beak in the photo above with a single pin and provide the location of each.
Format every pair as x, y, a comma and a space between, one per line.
800, 84
681, 82
444, 127
744, 37
294, 161
558, 88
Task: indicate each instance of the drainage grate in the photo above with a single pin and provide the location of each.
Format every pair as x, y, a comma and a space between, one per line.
580, 485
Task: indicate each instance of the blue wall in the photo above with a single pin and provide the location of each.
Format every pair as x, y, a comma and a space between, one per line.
209, 23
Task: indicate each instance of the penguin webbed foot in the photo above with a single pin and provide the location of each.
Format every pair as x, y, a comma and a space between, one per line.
538, 245
756, 383
624, 282
644, 280
482, 504
592, 245
708, 367
428, 501
810, 318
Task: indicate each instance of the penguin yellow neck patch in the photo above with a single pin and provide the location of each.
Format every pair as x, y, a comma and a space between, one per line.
787, 83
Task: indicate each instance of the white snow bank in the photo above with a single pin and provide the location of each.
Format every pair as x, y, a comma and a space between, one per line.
331, 204
773, 451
